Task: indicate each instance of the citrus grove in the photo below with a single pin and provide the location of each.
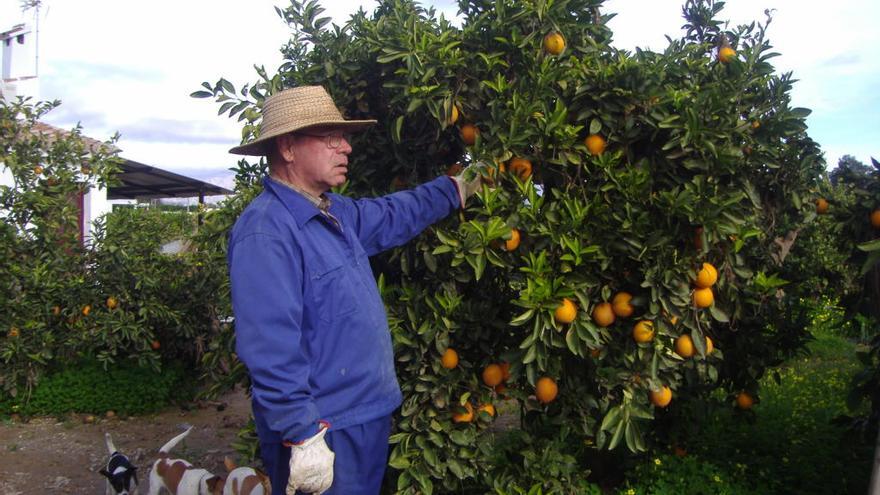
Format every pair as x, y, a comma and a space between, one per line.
620, 261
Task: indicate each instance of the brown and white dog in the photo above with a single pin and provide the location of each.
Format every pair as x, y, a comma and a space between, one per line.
180, 477
120, 472
245, 480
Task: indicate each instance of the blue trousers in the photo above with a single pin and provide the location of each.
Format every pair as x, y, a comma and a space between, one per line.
361, 456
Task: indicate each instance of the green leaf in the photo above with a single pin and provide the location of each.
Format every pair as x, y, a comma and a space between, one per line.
595, 126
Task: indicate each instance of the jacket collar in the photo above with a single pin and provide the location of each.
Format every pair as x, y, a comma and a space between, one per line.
298, 205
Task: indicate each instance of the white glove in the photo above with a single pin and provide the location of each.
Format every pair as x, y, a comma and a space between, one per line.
311, 465
469, 180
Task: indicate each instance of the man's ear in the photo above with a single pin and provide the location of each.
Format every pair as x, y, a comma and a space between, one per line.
284, 143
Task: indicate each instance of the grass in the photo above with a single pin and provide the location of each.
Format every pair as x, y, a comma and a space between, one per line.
789, 442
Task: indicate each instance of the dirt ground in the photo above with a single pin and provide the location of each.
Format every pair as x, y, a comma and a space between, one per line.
46, 455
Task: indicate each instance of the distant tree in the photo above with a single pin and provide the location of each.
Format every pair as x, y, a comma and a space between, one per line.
850, 171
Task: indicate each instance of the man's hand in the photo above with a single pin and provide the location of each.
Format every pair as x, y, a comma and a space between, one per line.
311, 465
469, 181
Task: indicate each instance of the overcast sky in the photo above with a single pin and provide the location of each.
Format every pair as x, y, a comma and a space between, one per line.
129, 66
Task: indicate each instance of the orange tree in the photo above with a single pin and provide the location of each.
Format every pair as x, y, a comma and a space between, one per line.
116, 298
617, 179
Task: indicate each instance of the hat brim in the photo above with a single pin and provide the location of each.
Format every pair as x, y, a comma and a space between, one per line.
258, 147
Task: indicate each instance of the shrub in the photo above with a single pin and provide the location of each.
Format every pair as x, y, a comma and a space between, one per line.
88, 387
687, 475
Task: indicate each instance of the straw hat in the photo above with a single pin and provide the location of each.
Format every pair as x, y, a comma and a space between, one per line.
296, 109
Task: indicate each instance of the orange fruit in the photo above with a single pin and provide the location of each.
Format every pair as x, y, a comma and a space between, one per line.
501, 390
679, 451
726, 54
505, 372
595, 144
706, 276
449, 359
38, 170
661, 397
155, 345
744, 401
554, 43
595, 353
546, 389
821, 206
453, 115
56, 310
493, 375
521, 167
464, 417
112, 302
643, 331
487, 408
709, 346
86, 309
512, 243
756, 124
620, 304
703, 298
566, 312
603, 314
684, 346
469, 133
875, 218
13, 332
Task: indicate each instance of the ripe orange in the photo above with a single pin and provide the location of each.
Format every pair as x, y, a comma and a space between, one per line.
726, 54
684, 346
595, 353
706, 276
449, 359
155, 345
679, 451
501, 390
744, 401
487, 408
546, 389
521, 167
56, 310
703, 298
875, 218
595, 144
821, 206
453, 115
566, 312
38, 170
554, 43
468, 133
13, 332
709, 346
662, 397
621, 306
112, 302
756, 124
493, 375
512, 243
643, 331
603, 314
505, 372
464, 417
86, 309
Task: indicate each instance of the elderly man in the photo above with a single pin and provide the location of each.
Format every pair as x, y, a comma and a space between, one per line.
310, 324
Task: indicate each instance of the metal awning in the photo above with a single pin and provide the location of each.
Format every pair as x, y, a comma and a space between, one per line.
139, 181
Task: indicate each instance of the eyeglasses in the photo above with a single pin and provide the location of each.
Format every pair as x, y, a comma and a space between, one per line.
332, 140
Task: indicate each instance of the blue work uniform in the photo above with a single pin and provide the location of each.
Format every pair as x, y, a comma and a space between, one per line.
309, 322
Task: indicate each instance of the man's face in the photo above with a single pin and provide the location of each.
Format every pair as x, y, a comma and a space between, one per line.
321, 158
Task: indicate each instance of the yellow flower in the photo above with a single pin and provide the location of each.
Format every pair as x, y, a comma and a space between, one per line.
717, 479
657, 461
630, 492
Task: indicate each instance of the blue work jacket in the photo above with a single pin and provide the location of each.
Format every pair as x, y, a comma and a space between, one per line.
309, 322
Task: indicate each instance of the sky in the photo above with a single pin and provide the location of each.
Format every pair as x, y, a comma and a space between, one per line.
130, 66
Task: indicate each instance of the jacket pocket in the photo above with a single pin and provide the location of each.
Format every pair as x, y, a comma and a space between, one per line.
335, 293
